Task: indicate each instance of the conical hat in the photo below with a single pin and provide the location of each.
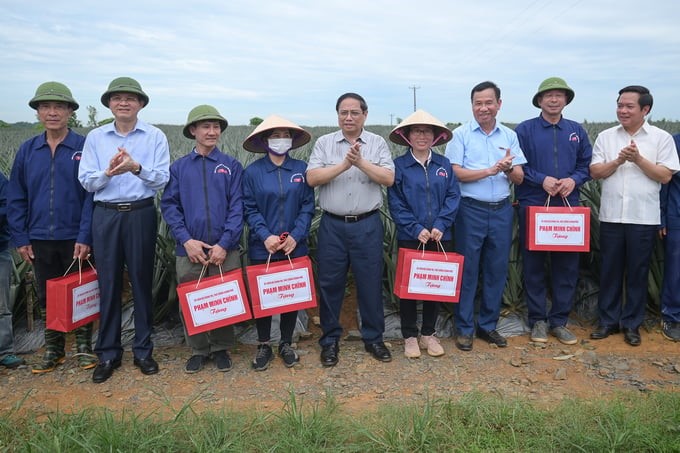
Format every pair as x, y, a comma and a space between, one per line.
424, 118
256, 142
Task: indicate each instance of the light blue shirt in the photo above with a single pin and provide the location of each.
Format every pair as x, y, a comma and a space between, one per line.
473, 149
146, 144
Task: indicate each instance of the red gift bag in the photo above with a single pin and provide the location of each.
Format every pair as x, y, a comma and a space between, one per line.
425, 275
281, 287
72, 300
558, 228
212, 302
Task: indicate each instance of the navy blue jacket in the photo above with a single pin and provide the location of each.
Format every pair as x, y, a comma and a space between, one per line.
203, 200
561, 150
4, 231
670, 197
423, 197
277, 200
45, 200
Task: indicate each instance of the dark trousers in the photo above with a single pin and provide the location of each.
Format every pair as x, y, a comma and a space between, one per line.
286, 324
626, 250
670, 295
408, 308
561, 278
221, 338
483, 236
52, 260
358, 246
124, 239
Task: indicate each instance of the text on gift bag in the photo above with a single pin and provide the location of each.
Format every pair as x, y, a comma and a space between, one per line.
433, 276
564, 229
213, 302
281, 287
436, 278
72, 300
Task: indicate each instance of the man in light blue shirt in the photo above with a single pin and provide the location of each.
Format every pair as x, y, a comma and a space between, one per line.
124, 163
486, 157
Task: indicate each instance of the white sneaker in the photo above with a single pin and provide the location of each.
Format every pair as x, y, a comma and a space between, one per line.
432, 344
411, 349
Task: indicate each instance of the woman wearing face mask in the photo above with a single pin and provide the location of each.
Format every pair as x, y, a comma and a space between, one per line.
423, 203
278, 207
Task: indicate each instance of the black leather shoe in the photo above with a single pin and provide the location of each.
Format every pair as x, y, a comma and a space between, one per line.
147, 366
379, 351
464, 342
492, 337
329, 355
632, 336
104, 370
603, 332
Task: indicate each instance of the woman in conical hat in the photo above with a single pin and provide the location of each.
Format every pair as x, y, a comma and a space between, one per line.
278, 206
423, 203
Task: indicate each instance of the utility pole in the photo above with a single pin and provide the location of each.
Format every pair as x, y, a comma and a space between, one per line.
414, 88
391, 116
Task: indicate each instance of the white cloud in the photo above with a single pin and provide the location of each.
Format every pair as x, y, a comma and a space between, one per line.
295, 58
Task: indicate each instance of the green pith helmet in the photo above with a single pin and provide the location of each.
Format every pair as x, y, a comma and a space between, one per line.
124, 85
553, 83
203, 113
53, 91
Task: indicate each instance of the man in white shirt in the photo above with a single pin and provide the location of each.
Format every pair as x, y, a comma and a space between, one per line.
632, 160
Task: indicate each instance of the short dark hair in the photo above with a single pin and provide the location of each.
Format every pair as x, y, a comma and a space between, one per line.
485, 86
362, 102
645, 96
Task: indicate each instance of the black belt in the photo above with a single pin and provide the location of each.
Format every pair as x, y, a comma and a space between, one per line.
351, 218
125, 207
493, 205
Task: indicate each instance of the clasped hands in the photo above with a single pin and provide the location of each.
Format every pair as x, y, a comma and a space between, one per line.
353, 156
629, 153
562, 187
435, 235
121, 163
196, 252
285, 243
504, 164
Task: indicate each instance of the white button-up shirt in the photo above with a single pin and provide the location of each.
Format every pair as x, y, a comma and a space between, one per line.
628, 195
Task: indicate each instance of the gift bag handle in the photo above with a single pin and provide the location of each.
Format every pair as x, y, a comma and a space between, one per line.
564, 200
80, 268
270, 257
439, 246
204, 270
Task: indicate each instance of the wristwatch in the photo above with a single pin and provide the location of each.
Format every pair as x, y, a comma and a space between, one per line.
138, 171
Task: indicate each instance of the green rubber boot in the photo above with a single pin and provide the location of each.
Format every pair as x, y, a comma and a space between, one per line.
54, 352
86, 359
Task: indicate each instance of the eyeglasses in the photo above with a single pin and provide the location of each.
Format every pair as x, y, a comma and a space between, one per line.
118, 99
352, 113
422, 131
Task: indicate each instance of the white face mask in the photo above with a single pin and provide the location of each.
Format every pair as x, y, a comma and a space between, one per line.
280, 146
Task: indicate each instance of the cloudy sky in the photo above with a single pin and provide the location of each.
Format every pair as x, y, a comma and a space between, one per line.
255, 58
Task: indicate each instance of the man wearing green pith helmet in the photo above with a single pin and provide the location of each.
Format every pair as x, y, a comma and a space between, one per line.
125, 163
203, 206
49, 213
558, 154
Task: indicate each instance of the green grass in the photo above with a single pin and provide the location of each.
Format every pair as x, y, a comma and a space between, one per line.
475, 423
